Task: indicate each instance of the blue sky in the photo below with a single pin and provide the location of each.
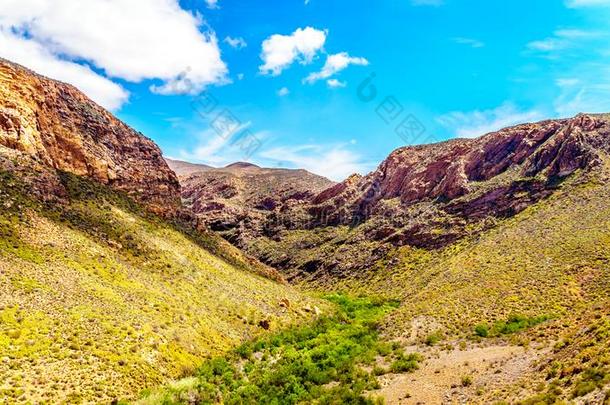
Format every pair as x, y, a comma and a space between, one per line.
282, 83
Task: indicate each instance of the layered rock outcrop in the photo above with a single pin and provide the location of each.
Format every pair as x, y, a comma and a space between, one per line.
426, 196
55, 124
242, 195
541, 152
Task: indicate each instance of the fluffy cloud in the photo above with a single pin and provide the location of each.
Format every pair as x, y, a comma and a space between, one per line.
31, 54
477, 123
237, 43
334, 83
130, 40
281, 51
334, 64
283, 92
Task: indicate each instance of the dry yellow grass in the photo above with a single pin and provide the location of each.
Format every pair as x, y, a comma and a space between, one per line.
99, 300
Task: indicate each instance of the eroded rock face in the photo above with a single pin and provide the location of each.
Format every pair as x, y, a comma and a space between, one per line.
536, 154
239, 197
56, 124
426, 196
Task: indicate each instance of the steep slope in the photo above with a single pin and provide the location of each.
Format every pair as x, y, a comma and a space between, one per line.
241, 196
56, 124
101, 300
100, 297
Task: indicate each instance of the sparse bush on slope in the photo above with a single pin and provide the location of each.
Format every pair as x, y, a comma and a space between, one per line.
100, 299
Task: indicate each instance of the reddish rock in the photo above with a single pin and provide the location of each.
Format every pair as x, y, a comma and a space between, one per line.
449, 170
56, 124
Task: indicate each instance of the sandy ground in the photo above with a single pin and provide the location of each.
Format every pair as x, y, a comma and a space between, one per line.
439, 379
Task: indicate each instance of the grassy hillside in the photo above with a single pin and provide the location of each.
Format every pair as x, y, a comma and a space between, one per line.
100, 300
551, 261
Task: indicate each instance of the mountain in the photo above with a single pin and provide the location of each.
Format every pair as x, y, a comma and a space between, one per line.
495, 247
182, 168
428, 196
241, 195
108, 285
55, 124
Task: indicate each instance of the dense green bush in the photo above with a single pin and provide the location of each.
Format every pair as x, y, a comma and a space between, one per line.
321, 362
406, 363
514, 324
481, 330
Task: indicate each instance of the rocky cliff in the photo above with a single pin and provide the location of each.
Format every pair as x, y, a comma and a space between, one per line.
427, 196
463, 181
241, 196
55, 124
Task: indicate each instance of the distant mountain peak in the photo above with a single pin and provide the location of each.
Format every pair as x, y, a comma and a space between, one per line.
242, 165
182, 168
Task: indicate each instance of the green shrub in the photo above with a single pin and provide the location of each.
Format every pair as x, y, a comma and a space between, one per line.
518, 323
433, 339
406, 364
298, 365
481, 330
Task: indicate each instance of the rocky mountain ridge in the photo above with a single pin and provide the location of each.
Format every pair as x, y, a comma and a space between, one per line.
426, 196
243, 194
55, 124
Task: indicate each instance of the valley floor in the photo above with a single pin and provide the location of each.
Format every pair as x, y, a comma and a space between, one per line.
460, 376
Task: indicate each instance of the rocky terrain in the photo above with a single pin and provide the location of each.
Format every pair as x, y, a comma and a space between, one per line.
55, 124
241, 195
427, 196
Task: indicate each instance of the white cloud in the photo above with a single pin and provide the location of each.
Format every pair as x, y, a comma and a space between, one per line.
221, 149
567, 82
587, 3
588, 98
477, 123
280, 51
334, 83
334, 64
332, 161
283, 92
433, 3
212, 4
474, 43
130, 40
562, 39
33, 55
237, 43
